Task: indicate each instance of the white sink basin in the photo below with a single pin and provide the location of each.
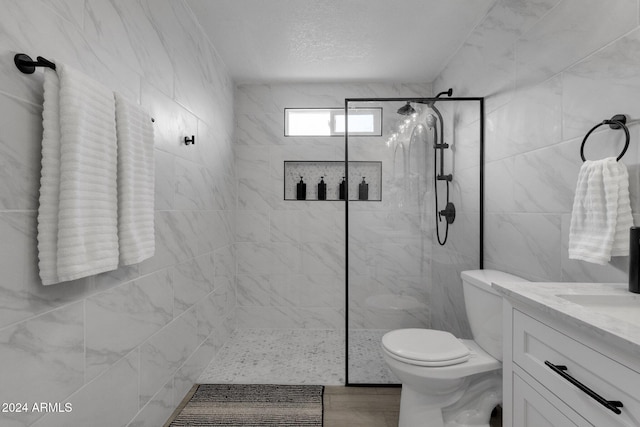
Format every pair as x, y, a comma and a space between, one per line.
623, 307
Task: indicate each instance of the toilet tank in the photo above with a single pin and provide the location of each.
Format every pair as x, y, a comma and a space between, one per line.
484, 307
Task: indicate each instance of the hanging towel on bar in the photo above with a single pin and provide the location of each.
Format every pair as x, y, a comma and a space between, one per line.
77, 217
136, 180
601, 215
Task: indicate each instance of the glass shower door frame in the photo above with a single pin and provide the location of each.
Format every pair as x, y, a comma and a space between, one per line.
420, 100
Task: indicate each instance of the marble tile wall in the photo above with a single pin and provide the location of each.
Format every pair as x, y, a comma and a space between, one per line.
122, 347
550, 70
291, 260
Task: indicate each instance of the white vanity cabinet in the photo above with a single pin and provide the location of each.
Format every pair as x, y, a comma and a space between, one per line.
557, 373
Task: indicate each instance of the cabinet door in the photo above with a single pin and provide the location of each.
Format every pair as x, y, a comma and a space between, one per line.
531, 409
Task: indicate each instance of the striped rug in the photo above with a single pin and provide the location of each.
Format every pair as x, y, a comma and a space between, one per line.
252, 405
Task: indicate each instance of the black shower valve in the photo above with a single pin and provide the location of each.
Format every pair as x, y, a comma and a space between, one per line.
449, 213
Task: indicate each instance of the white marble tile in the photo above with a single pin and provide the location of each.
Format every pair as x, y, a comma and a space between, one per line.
172, 123
43, 360
165, 352
252, 226
395, 258
94, 403
254, 290
321, 290
279, 317
192, 280
225, 261
158, 410
191, 189
286, 225
126, 32
545, 180
216, 143
215, 312
260, 129
585, 25
120, 319
322, 258
499, 186
165, 181
529, 243
602, 85
189, 372
71, 10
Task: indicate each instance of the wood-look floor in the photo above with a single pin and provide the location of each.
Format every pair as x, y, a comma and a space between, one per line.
361, 406
370, 407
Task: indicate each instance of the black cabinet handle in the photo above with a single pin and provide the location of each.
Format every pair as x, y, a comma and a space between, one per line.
611, 405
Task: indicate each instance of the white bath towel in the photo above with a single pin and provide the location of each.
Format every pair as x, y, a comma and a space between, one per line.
81, 199
136, 181
601, 215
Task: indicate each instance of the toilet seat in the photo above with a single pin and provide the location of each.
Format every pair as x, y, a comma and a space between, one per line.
425, 347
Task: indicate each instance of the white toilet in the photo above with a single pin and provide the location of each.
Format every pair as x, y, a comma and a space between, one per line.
448, 381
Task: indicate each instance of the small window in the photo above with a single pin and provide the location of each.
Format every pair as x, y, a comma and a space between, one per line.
330, 121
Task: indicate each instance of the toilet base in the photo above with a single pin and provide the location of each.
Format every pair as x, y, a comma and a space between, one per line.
471, 406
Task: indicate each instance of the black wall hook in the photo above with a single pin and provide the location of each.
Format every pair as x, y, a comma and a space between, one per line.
27, 65
188, 141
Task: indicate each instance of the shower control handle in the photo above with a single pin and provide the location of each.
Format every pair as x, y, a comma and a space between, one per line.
445, 177
449, 213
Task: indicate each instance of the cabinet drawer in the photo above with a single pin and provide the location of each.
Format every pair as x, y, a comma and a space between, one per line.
534, 343
533, 407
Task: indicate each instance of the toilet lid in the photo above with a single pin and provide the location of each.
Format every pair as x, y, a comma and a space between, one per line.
426, 347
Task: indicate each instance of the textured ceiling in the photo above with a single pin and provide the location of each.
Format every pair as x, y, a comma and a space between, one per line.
337, 40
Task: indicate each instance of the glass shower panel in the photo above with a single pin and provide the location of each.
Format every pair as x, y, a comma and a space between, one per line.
392, 245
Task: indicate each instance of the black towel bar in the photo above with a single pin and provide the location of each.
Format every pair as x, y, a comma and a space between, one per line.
28, 65
25, 64
616, 122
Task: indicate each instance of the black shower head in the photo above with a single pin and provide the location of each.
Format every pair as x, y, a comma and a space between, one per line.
406, 110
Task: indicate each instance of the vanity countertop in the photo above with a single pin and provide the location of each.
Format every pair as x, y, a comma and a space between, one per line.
607, 310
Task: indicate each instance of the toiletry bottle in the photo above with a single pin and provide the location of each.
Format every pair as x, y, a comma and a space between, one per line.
634, 260
301, 190
363, 190
342, 189
322, 189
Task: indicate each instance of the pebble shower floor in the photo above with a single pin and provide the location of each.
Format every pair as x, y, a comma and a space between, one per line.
295, 356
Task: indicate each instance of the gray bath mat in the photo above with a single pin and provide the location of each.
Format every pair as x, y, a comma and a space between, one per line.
252, 405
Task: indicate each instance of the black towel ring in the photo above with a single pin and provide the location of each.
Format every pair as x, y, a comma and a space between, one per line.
618, 121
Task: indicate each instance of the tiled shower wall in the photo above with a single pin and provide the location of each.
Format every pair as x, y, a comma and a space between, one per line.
291, 253
550, 70
123, 347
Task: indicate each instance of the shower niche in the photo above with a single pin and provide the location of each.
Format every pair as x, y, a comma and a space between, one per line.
332, 174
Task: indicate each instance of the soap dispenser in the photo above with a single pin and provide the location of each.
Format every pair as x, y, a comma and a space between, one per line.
301, 190
342, 189
363, 190
322, 189
634, 260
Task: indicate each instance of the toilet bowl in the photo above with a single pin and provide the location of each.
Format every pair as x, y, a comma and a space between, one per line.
448, 381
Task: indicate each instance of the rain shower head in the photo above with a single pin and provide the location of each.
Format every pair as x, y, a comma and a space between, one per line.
406, 110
